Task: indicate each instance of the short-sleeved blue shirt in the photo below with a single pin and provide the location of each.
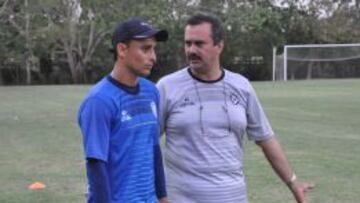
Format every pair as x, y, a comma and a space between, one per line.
121, 128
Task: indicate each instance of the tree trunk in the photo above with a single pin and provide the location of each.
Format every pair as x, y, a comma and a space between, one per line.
28, 46
1, 78
28, 70
309, 71
72, 66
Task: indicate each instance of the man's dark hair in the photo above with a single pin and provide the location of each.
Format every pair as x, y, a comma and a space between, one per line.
216, 25
114, 50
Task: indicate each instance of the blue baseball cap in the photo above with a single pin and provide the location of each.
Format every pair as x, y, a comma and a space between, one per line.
135, 28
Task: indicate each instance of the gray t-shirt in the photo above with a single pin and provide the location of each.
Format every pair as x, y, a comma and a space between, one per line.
204, 123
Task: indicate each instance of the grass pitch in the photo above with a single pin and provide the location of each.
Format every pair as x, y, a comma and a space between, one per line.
317, 121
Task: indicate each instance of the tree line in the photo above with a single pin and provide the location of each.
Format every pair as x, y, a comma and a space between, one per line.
67, 41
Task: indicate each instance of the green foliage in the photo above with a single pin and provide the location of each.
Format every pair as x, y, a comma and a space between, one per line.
77, 47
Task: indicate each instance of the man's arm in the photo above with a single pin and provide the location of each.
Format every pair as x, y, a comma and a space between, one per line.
159, 175
279, 162
98, 181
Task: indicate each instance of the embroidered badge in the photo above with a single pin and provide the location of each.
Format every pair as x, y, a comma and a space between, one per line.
234, 99
186, 102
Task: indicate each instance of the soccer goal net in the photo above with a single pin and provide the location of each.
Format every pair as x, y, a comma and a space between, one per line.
318, 61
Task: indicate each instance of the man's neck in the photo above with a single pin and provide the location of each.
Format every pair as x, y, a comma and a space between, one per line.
122, 75
207, 74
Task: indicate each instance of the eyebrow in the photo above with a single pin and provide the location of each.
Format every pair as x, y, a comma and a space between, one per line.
148, 46
195, 41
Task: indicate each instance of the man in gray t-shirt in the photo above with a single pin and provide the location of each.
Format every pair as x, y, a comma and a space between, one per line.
205, 111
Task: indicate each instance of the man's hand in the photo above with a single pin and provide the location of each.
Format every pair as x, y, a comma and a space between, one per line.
299, 190
163, 200
278, 160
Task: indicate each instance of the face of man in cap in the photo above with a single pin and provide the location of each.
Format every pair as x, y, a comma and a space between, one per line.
135, 42
138, 56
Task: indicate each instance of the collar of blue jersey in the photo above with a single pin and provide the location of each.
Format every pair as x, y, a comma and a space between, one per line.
126, 88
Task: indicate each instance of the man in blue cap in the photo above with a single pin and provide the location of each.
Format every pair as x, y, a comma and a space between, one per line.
119, 122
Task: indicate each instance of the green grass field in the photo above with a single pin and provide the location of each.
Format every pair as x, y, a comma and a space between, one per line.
318, 123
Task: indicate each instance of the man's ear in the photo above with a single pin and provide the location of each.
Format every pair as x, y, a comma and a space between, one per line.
121, 50
221, 46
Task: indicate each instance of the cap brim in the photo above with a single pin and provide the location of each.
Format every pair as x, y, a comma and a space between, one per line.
160, 35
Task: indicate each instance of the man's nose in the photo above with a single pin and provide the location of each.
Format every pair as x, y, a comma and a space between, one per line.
191, 48
153, 56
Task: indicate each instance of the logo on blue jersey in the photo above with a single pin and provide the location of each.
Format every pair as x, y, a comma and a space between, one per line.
125, 116
154, 109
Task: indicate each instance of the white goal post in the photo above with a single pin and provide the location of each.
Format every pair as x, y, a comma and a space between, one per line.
316, 53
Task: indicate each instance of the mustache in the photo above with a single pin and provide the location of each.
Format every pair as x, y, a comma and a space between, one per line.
193, 57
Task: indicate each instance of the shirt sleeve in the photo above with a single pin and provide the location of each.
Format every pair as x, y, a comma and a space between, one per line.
258, 127
99, 184
95, 125
160, 185
162, 106
158, 162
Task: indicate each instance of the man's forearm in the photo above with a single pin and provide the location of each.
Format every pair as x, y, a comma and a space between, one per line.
159, 173
277, 158
98, 181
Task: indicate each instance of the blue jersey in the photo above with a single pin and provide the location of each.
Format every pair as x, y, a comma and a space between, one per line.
121, 128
